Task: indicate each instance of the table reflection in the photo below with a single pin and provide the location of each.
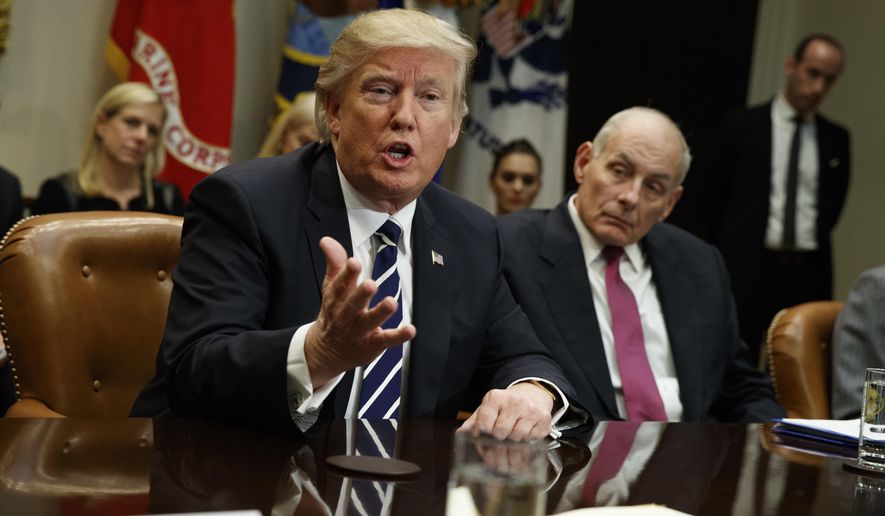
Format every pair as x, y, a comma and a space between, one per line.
132, 466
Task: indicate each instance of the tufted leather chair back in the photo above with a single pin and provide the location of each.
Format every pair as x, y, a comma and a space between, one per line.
83, 301
799, 351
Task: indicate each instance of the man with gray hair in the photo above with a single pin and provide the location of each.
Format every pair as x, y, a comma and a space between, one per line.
638, 313
339, 281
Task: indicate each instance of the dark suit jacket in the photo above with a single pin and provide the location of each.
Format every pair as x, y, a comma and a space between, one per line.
735, 187
10, 201
251, 272
544, 265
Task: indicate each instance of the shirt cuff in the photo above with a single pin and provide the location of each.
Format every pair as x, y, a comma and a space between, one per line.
555, 430
304, 402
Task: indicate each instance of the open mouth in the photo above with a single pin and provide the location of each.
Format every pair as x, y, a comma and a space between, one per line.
399, 151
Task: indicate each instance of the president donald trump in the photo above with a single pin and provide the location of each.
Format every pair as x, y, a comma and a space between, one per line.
339, 281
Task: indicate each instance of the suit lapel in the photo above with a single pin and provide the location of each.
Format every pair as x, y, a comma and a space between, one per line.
567, 292
674, 290
326, 204
431, 311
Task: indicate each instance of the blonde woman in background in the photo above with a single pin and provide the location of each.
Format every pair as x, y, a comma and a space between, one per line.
122, 155
294, 128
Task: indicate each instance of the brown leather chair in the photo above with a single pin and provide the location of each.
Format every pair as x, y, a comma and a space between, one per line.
798, 355
83, 301
76, 457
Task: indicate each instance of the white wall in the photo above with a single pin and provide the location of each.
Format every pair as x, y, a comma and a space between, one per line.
50, 77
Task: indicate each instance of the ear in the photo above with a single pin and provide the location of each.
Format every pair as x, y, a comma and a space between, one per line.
333, 115
456, 131
99, 126
582, 158
790, 65
671, 202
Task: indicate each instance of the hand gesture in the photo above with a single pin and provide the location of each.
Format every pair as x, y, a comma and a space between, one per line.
347, 332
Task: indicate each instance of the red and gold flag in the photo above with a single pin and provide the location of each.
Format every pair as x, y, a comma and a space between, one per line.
185, 49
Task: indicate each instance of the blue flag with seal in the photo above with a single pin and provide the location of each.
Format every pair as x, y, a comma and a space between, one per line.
518, 90
308, 44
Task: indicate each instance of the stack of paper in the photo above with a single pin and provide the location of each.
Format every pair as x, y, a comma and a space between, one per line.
828, 431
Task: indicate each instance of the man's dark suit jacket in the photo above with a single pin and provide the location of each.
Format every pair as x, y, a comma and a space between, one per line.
736, 187
544, 265
251, 273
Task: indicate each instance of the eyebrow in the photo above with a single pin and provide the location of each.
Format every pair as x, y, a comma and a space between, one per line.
622, 156
423, 82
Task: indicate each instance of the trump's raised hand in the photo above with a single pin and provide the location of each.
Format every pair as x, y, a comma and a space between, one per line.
347, 333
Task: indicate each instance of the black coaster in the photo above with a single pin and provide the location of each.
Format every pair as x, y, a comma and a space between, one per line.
365, 466
854, 466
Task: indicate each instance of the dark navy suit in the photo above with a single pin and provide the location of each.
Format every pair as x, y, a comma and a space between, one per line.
544, 265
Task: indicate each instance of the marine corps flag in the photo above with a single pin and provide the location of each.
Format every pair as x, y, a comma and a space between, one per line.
185, 50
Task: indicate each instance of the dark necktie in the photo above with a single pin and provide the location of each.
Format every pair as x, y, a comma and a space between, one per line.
637, 380
789, 237
379, 394
609, 458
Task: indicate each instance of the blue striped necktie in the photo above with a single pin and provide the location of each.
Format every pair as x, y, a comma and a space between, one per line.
376, 439
379, 394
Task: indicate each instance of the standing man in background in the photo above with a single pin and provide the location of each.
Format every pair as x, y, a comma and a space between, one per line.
774, 189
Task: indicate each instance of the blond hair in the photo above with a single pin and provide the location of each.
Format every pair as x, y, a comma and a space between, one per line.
299, 114
87, 178
392, 28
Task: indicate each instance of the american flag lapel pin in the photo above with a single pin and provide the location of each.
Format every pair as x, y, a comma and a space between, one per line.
436, 258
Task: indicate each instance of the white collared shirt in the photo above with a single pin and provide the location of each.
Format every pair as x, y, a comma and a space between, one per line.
637, 274
782, 127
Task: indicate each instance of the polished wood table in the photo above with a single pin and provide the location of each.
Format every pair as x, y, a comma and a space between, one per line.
135, 466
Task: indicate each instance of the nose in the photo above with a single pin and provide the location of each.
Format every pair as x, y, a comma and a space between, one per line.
141, 132
518, 185
629, 194
403, 114
819, 86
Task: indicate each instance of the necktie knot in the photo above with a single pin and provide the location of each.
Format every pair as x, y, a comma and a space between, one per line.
389, 232
612, 253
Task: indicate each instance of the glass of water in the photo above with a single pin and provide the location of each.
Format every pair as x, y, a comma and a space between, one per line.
491, 477
871, 449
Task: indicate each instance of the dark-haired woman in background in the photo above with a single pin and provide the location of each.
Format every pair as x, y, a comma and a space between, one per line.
516, 177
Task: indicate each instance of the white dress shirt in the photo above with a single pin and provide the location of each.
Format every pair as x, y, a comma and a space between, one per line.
636, 273
782, 127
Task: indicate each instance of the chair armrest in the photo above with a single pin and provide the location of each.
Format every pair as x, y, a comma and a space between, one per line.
29, 407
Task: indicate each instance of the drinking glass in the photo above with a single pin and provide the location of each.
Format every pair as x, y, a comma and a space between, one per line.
871, 449
491, 477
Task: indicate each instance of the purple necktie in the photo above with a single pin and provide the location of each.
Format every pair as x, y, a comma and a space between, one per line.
609, 457
640, 390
